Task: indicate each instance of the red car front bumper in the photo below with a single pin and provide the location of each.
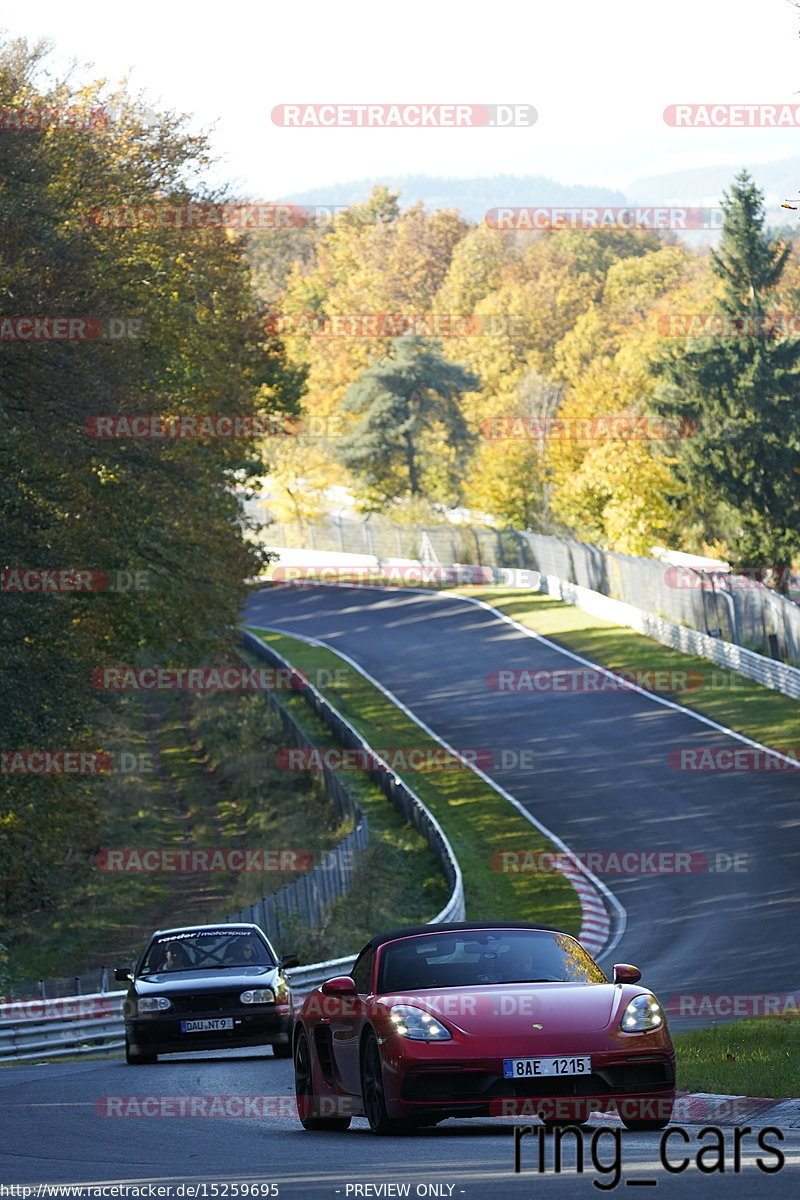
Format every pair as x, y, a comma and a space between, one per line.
635, 1078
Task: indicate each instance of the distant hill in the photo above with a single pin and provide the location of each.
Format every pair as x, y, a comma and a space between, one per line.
472, 197
779, 180
694, 186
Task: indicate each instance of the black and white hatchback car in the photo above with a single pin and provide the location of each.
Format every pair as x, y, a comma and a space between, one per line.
207, 987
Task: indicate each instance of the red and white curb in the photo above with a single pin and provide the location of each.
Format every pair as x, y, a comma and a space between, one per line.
595, 921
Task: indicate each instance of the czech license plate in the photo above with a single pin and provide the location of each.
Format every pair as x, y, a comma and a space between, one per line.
207, 1025
529, 1068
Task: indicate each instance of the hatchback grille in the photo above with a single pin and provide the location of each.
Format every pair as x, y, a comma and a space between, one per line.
206, 1002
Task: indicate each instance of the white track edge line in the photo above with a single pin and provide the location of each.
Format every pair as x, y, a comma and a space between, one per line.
587, 662
622, 916
612, 674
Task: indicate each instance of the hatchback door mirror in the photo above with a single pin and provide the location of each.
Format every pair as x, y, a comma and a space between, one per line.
288, 960
122, 974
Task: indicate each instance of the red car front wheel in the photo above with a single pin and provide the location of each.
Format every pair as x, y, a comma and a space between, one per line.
307, 1099
373, 1094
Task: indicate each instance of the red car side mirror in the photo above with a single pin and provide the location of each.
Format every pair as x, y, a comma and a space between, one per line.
340, 985
624, 973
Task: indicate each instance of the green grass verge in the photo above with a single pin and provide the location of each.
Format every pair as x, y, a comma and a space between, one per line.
756, 1057
478, 822
724, 696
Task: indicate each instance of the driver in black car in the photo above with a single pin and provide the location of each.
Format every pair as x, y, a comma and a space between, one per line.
245, 952
173, 958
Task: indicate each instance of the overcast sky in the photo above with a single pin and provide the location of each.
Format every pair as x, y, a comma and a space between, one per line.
599, 76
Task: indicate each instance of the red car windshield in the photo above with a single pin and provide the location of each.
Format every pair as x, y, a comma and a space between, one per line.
465, 957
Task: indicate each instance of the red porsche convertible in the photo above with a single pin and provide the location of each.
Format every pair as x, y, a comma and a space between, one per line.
480, 1019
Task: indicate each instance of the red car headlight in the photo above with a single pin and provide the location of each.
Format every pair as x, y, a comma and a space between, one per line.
417, 1024
641, 1015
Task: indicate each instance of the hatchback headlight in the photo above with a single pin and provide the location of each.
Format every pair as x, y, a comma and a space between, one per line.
147, 1004
642, 1014
417, 1024
258, 996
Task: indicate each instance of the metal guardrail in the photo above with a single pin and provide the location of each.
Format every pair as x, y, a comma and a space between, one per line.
93, 1024
395, 789
767, 671
745, 612
61, 1028
311, 897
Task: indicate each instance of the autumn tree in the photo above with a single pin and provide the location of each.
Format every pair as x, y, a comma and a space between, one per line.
740, 392
608, 485
167, 508
411, 437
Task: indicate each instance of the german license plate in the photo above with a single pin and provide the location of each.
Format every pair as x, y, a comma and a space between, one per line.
529, 1068
207, 1025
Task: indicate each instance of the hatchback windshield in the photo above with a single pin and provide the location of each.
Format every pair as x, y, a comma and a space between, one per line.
204, 950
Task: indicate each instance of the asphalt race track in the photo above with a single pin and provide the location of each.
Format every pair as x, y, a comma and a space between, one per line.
54, 1131
601, 781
